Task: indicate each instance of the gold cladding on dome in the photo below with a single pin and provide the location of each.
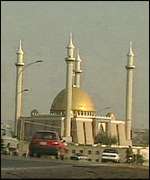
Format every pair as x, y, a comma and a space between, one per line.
80, 101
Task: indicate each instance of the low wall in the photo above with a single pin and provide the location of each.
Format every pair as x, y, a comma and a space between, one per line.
144, 151
23, 147
94, 152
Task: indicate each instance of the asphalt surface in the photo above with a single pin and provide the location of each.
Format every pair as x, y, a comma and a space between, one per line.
27, 168
21, 162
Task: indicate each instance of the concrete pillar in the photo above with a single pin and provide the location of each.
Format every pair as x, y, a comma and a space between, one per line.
121, 135
114, 129
74, 131
89, 133
108, 128
80, 132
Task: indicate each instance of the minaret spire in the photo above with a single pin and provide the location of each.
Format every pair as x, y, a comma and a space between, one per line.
69, 81
70, 47
19, 86
129, 88
70, 40
78, 55
20, 44
19, 50
77, 70
130, 50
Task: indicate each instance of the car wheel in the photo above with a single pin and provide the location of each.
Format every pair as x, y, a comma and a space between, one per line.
103, 160
30, 154
62, 157
57, 155
15, 153
34, 155
38, 155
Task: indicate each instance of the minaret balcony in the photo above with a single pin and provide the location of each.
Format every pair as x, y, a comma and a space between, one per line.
130, 67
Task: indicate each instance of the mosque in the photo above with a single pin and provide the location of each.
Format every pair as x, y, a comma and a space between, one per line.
73, 113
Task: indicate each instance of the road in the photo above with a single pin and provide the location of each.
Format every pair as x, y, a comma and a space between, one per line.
25, 168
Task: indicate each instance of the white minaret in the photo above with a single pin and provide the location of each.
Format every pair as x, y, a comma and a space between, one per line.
129, 86
19, 86
69, 82
77, 70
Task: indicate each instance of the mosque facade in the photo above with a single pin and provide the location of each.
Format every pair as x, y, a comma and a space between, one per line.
73, 113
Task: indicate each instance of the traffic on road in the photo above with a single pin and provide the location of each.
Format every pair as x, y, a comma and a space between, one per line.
22, 167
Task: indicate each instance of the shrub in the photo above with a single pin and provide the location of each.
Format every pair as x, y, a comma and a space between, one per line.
104, 138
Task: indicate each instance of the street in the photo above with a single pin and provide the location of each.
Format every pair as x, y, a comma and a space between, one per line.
24, 168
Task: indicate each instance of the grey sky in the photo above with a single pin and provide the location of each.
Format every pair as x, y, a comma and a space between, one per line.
102, 31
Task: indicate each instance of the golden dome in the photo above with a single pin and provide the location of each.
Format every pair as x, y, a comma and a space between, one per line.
80, 101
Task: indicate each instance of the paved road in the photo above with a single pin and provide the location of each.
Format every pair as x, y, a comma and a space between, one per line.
21, 162
21, 168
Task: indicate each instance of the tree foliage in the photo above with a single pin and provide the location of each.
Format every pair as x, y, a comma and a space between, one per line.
104, 138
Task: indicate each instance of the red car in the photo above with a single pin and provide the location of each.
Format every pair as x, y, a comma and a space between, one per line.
47, 143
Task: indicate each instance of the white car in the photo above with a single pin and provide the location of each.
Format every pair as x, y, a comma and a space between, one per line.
9, 144
110, 155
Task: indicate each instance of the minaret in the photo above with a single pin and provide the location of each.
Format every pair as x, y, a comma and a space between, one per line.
77, 70
69, 82
19, 86
129, 86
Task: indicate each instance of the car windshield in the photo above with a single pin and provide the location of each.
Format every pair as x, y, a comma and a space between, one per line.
46, 135
110, 151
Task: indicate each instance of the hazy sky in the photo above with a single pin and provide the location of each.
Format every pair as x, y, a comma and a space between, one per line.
102, 31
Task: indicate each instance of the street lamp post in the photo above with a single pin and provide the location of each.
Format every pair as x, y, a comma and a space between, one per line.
21, 127
19, 84
29, 64
19, 93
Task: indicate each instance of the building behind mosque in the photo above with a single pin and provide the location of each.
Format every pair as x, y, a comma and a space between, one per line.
73, 113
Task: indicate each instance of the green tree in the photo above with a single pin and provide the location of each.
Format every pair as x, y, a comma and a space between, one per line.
104, 138
139, 159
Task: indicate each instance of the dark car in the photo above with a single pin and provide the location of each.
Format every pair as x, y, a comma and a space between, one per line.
79, 156
47, 143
